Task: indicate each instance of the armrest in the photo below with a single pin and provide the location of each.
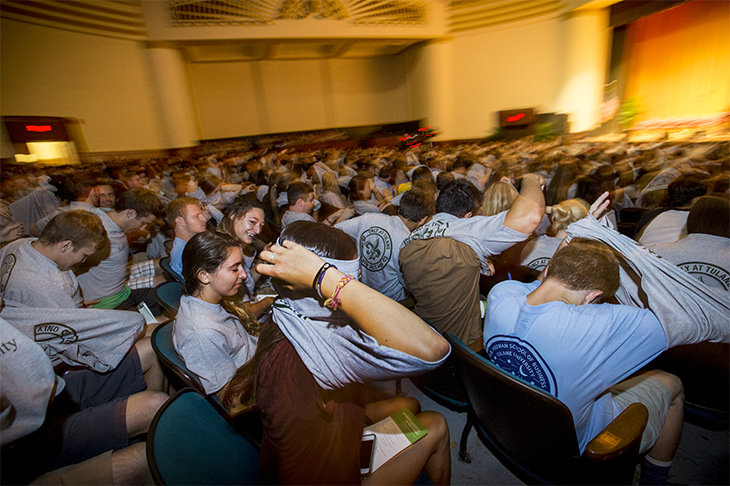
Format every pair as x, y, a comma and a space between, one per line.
620, 435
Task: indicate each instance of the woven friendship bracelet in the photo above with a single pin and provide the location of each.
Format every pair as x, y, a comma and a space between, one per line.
334, 302
317, 283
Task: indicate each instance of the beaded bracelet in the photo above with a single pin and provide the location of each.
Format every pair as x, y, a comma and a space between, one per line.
317, 283
333, 302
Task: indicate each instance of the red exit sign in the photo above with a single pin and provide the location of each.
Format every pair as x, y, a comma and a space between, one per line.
38, 128
521, 117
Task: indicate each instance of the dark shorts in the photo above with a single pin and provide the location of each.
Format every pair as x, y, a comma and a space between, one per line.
137, 297
86, 419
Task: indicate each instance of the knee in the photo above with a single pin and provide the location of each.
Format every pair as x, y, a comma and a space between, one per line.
147, 357
436, 425
149, 401
409, 402
157, 399
673, 383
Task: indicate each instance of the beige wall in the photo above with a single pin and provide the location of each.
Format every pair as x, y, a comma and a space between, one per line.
505, 68
246, 98
105, 82
457, 84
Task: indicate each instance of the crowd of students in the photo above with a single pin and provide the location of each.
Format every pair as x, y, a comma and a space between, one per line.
308, 274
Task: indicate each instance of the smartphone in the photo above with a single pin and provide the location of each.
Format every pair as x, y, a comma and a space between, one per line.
367, 451
149, 318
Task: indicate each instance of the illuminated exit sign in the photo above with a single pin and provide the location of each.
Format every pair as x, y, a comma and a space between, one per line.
38, 128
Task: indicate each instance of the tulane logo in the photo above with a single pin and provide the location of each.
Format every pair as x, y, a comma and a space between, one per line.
539, 264
522, 360
711, 275
55, 332
5, 269
375, 248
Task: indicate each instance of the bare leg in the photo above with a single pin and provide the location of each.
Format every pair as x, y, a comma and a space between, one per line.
377, 411
129, 465
141, 409
431, 454
668, 441
153, 374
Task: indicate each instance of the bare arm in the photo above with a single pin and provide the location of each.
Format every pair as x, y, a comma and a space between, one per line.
371, 310
529, 206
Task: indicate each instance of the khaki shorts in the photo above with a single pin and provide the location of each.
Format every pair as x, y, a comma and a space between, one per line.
97, 470
654, 394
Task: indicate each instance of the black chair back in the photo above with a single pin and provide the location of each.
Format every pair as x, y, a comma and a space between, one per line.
168, 296
528, 426
189, 442
165, 350
169, 272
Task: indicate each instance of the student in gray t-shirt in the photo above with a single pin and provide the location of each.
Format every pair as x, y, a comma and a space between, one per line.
212, 341
705, 251
441, 261
105, 278
379, 238
37, 272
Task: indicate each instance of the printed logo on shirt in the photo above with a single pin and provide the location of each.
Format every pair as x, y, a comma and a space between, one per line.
53, 332
5, 269
538, 264
522, 360
711, 275
434, 229
375, 248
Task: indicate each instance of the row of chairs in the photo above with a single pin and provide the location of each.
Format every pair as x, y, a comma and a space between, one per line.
532, 432
193, 438
528, 429
189, 442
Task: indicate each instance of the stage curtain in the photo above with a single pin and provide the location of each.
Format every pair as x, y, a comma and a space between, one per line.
679, 60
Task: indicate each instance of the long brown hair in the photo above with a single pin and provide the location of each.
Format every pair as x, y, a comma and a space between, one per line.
207, 251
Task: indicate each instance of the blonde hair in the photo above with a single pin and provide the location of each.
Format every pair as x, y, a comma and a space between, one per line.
567, 212
497, 198
330, 183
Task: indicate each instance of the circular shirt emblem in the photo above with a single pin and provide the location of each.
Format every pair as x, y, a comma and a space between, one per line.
522, 360
539, 264
58, 333
375, 248
5, 269
710, 275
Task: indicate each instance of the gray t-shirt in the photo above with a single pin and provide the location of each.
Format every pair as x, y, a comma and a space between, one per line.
42, 223
538, 252
667, 227
364, 207
707, 257
28, 381
30, 279
379, 238
332, 199
212, 343
109, 276
486, 235
291, 216
96, 338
